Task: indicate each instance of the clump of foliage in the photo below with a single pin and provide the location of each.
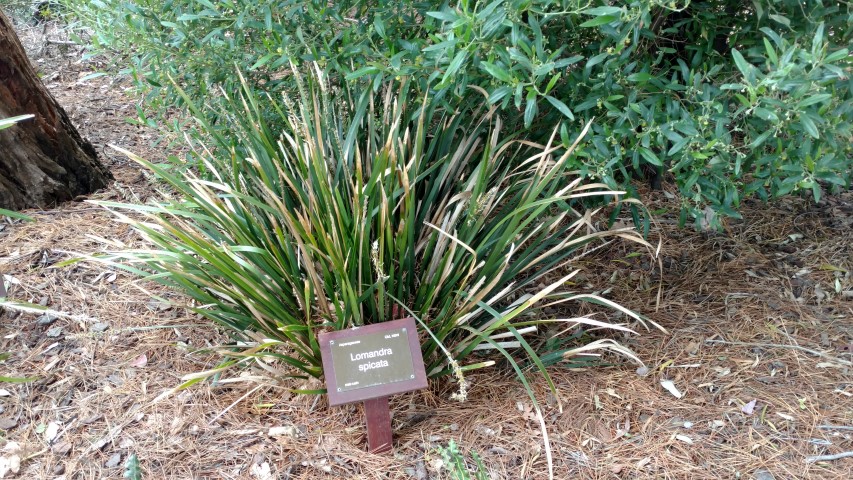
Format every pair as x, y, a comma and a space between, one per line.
456, 464
726, 98
354, 213
132, 469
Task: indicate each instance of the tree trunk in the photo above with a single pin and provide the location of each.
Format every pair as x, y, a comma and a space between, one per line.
43, 161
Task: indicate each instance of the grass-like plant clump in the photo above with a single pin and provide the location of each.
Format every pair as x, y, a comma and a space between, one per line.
353, 214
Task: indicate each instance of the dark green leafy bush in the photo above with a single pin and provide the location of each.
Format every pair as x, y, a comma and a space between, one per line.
726, 98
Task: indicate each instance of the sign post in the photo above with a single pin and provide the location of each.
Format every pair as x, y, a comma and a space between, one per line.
378, 416
370, 363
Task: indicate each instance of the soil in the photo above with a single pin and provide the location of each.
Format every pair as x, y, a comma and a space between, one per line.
758, 353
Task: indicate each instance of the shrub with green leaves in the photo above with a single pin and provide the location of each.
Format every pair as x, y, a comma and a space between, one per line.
353, 214
726, 98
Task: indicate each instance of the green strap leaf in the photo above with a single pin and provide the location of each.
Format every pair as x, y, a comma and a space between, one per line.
19, 216
8, 122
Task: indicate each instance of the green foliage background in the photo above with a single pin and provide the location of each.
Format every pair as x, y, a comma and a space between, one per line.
725, 98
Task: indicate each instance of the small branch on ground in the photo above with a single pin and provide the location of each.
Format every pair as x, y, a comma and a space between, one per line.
824, 458
30, 308
60, 42
834, 427
793, 347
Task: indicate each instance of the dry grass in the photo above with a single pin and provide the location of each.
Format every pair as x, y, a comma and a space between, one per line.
768, 283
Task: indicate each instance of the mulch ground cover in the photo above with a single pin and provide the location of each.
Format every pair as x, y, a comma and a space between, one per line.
752, 379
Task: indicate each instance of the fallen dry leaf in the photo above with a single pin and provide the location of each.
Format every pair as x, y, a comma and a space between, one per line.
13, 448
91, 419
61, 448
113, 461
613, 393
671, 388
51, 431
289, 431
262, 471
749, 408
11, 464
139, 361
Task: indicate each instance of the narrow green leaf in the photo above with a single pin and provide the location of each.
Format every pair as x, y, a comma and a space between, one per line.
17, 379
599, 11
19, 216
565, 62
742, 65
454, 66
771, 52
759, 140
498, 94
444, 16
816, 191
678, 146
8, 122
781, 19
598, 21
496, 72
640, 77
765, 114
530, 111
262, 61
809, 126
837, 55
593, 61
819, 98
562, 107
650, 157
362, 72
379, 25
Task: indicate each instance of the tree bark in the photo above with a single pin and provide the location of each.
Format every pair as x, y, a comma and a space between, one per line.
43, 161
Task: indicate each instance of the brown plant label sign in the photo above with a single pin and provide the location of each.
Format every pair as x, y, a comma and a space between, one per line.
372, 361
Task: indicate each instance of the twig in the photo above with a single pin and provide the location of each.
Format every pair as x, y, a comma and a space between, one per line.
60, 42
823, 458
34, 455
69, 211
834, 427
793, 347
30, 308
232, 405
